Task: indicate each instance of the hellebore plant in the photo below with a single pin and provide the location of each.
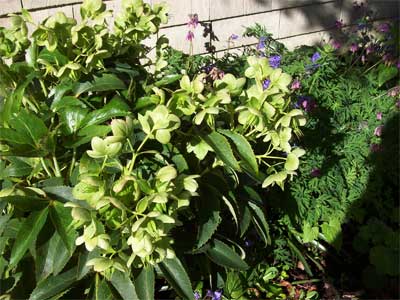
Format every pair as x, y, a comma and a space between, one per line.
106, 160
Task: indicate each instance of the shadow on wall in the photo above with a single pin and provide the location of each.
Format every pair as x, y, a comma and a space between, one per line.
299, 17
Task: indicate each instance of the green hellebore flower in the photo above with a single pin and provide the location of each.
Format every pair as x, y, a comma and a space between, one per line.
104, 147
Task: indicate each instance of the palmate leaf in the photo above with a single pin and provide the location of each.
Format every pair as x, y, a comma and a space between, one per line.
27, 234
177, 277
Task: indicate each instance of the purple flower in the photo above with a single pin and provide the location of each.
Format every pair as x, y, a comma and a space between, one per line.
196, 295
233, 37
378, 130
193, 21
315, 172
398, 104
384, 27
214, 295
339, 24
306, 103
190, 36
336, 45
369, 49
296, 84
353, 47
315, 57
261, 43
274, 61
266, 84
379, 116
398, 64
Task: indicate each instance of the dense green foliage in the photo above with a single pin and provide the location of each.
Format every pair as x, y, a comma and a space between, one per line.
113, 170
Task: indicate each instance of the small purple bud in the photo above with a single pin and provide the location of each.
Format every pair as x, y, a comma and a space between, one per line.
193, 21
375, 147
369, 49
266, 84
384, 27
190, 36
339, 24
233, 37
336, 45
261, 43
353, 48
379, 116
315, 172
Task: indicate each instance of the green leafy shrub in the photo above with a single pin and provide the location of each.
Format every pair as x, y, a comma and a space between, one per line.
113, 169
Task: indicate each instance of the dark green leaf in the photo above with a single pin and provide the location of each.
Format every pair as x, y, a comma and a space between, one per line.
82, 268
26, 203
67, 102
102, 291
72, 118
222, 148
107, 82
61, 192
12, 136
53, 256
301, 257
17, 168
27, 234
223, 255
244, 149
168, 79
145, 283
245, 219
209, 214
14, 100
86, 134
59, 91
62, 220
54, 285
123, 284
3, 221
260, 222
31, 126
115, 108
177, 277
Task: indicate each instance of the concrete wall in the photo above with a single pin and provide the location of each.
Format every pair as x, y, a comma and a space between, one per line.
294, 22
